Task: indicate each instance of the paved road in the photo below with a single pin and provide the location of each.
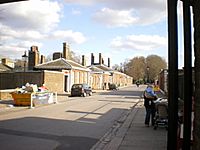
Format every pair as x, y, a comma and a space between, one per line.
76, 123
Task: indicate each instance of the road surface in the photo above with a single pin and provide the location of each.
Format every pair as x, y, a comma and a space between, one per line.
76, 123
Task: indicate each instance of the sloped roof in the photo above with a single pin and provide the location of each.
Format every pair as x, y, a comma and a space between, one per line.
4, 68
104, 68
60, 64
95, 69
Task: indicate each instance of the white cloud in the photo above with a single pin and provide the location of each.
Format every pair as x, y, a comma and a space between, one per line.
10, 33
142, 12
81, 2
69, 35
125, 4
141, 4
124, 18
115, 18
31, 15
139, 42
27, 23
16, 50
23, 23
76, 12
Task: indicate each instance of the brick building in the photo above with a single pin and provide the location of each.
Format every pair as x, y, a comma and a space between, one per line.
102, 75
72, 71
58, 75
61, 73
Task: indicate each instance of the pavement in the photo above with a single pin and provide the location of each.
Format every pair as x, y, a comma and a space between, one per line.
133, 134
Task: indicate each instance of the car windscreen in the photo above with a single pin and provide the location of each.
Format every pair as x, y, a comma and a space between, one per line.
77, 86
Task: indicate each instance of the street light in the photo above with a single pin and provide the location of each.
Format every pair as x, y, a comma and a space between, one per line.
148, 74
24, 58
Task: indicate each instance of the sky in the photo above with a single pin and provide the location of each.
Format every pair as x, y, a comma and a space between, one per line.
119, 29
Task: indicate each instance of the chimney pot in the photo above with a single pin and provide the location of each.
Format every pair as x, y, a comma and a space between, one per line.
66, 50
100, 59
42, 59
83, 60
108, 62
92, 59
57, 55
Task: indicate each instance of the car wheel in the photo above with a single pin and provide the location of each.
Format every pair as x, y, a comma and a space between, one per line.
90, 94
84, 94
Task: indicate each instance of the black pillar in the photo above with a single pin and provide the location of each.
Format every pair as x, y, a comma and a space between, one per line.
187, 75
173, 75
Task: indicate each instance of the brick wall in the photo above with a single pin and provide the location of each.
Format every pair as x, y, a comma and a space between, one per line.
54, 81
18, 79
5, 94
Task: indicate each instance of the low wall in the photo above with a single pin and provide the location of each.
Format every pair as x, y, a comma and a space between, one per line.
5, 94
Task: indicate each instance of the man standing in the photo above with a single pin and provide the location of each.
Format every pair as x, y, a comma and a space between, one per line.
149, 97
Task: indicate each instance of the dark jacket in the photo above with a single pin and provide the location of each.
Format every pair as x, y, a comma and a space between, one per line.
149, 103
149, 97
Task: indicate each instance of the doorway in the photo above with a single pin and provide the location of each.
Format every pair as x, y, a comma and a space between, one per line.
65, 84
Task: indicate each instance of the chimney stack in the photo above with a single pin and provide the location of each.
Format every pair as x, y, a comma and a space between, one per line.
33, 57
34, 48
100, 59
57, 55
66, 50
92, 59
4, 61
83, 60
7, 62
42, 59
108, 62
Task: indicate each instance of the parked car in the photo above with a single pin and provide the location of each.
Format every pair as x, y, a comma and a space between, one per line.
81, 90
113, 86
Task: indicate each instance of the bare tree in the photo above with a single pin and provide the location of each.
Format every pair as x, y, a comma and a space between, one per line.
137, 67
154, 64
116, 67
71, 56
75, 57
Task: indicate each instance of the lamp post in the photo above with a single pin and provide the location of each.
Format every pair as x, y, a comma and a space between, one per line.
147, 74
24, 58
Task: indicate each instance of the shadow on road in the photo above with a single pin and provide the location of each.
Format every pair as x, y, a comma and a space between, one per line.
47, 133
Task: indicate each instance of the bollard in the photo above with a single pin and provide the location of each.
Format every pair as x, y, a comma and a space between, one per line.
31, 106
56, 98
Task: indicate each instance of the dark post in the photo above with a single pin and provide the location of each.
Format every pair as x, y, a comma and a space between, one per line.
147, 74
187, 75
173, 75
24, 58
